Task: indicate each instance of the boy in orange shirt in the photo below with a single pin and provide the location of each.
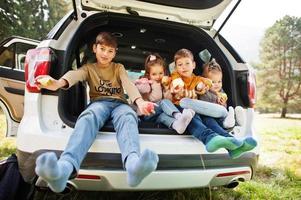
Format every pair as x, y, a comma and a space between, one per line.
204, 128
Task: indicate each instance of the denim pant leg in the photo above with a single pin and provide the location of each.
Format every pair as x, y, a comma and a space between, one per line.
153, 117
168, 107
166, 117
125, 123
85, 131
213, 124
199, 130
204, 107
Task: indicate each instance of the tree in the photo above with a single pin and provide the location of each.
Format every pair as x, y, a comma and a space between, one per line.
280, 71
32, 19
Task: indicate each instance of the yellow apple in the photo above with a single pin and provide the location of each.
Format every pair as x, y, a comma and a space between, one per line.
44, 81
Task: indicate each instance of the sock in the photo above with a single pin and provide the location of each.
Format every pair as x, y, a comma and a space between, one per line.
55, 172
181, 123
218, 142
229, 121
139, 167
240, 115
177, 115
248, 144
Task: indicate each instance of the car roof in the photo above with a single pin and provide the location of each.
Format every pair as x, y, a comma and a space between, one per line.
7, 41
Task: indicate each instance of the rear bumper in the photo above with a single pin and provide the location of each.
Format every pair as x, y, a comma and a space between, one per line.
96, 180
104, 171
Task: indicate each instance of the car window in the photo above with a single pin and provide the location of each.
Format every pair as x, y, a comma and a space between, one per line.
13, 56
7, 57
21, 50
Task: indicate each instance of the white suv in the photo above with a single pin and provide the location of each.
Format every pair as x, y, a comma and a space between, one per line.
141, 27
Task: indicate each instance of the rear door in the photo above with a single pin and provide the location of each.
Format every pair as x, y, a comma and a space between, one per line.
195, 12
12, 58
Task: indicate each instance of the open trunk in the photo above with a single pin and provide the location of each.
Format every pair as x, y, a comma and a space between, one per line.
137, 37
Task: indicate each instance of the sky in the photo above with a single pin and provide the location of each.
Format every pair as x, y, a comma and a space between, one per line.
247, 25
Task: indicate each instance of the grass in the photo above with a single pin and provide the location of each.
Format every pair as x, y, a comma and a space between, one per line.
7, 145
278, 175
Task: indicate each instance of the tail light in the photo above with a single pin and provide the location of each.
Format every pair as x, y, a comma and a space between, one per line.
252, 88
86, 176
37, 62
233, 173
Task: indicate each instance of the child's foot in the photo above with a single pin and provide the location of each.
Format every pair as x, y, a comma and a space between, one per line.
240, 115
55, 173
182, 120
229, 121
218, 142
248, 144
139, 167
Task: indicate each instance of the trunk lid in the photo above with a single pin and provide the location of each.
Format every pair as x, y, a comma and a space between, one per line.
195, 12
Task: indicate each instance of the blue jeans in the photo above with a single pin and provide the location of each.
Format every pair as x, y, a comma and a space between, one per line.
215, 124
199, 130
204, 108
125, 122
163, 113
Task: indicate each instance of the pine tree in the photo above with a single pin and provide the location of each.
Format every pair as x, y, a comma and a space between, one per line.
280, 72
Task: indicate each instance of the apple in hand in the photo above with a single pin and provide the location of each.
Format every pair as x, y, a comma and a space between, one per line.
150, 107
44, 81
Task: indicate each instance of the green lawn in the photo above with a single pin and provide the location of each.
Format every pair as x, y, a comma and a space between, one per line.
278, 175
7, 145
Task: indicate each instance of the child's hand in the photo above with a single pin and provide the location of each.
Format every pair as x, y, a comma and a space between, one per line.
166, 82
177, 86
145, 107
222, 99
47, 82
143, 85
202, 88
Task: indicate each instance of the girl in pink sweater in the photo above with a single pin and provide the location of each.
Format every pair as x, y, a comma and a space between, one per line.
151, 89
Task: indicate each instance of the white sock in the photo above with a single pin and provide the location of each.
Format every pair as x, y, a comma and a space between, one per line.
54, 172
240, 115
181, 123
139, 167
229, 121
177, 115
248, 124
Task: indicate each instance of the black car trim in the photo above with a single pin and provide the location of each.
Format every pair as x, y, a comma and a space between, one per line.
192, 4
112, 161
12, 74
242, 87
9, 111
196, 4
15, 91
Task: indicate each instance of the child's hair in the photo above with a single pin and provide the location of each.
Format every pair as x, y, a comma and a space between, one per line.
153, 59
183, 53
106, 38
211, 67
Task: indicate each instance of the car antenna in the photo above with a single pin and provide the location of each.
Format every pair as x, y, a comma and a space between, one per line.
75, 10
229, 15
